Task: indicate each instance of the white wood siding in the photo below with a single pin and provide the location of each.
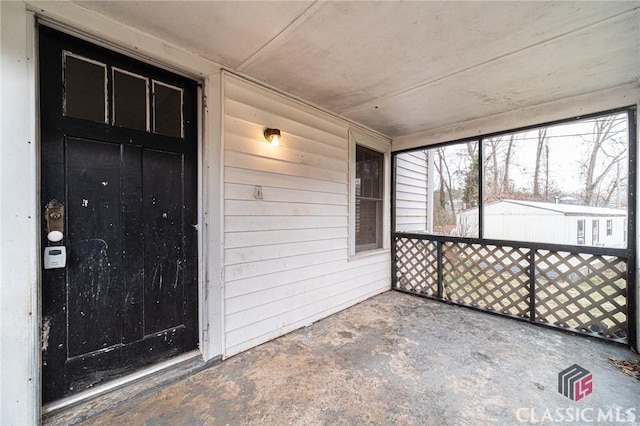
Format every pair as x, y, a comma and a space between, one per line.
286, 256
411, 191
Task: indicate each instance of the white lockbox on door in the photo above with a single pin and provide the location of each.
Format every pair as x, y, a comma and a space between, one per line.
55, 257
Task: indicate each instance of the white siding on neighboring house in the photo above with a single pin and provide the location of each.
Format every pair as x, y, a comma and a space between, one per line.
508, 221
286, 224
411, 176
548, 223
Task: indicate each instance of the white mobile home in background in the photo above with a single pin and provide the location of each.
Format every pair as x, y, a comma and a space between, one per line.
548, 223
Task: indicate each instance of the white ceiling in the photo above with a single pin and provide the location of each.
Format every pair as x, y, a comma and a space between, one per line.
407, 67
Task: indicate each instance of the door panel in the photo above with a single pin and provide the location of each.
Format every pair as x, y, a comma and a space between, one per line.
133, 269
127, 297
162, 203
94, 246
85, 371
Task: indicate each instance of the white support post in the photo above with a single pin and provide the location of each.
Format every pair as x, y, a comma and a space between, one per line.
431, 179
19, 220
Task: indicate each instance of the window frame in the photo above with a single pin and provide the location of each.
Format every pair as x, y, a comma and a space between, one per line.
371, 141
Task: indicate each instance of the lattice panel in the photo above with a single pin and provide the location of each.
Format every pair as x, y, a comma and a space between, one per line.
490, 277
416, 266
584, 292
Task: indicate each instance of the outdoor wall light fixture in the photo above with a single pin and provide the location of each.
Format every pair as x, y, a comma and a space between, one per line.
273, 136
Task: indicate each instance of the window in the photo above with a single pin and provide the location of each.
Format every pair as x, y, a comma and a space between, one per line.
105, 94
595, 231
609, 227
167, 110
580, 239
130, 100
369, 202
85, 88
369, 198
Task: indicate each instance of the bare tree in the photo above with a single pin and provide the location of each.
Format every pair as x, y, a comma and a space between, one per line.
470, 192
472, 148
491, 191
498, 164
543, 140
445, 178
456, 166
613, 185
606, 151
506, 184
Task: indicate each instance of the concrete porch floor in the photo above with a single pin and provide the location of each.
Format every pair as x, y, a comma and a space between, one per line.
393, 359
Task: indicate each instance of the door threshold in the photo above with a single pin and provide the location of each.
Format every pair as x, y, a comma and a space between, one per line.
84, 405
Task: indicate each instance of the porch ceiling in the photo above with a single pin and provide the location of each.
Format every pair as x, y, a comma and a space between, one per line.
406, 67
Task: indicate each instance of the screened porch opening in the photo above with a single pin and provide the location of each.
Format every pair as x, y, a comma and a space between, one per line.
534, 224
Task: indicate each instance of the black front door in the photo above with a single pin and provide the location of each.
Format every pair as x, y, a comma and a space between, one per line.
119, 153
